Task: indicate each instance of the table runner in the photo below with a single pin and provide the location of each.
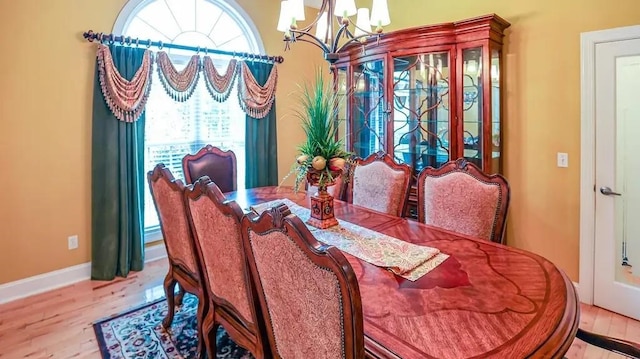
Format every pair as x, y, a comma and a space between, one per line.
405, 259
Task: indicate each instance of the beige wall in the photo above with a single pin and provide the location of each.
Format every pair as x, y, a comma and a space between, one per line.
46, 84
46, 74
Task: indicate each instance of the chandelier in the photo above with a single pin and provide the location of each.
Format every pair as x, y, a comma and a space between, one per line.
333, 36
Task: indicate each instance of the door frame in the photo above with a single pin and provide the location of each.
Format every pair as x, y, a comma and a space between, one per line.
588, 41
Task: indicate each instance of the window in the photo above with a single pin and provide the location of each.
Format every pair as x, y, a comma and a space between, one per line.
173, 129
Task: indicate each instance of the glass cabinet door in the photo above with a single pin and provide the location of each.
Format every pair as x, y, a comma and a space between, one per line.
496, 113
340, 87
421, 115
369, 108
472, 105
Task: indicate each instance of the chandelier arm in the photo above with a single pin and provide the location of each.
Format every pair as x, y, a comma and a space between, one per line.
339, 34
355, 39
366, 32
348, 34
321, 45
323, 7
351, 41
310, 26
351, 37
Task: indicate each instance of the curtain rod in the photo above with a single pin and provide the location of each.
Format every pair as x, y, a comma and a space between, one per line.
102, 37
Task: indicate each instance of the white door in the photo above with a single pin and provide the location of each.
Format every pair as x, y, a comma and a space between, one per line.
617, 177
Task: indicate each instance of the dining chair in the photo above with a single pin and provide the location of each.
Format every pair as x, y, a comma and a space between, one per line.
184, 266
459, 197
624, 347
379, 183
220, 166
226, 277
308, 291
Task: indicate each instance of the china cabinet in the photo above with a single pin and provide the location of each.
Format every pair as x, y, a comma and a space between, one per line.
426, 94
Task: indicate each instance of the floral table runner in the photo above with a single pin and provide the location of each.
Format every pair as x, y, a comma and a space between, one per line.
405, 259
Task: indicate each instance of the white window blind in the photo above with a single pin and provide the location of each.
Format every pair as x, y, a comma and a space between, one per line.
174, 129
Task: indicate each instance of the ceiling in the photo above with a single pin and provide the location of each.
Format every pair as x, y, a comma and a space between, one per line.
313, 3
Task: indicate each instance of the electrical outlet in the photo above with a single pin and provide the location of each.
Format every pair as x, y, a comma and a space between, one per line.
73, 241
563, 159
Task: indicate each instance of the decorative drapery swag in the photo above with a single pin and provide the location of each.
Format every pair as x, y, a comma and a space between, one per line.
256, 100
219, 86
179, 85
126, 99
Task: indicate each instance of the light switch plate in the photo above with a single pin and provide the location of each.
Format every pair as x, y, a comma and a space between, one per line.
563, 159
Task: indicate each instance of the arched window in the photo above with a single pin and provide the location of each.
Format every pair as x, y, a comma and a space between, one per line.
172, 128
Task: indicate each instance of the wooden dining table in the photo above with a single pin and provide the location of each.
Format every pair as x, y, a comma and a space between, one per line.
486, 300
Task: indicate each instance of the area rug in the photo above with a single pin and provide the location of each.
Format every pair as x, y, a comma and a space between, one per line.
138, 334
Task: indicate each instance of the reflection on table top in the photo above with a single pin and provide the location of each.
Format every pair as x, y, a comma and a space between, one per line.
486, 301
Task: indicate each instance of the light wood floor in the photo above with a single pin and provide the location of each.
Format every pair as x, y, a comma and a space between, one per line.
57, 324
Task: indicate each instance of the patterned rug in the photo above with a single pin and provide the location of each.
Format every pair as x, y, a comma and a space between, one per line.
138, 334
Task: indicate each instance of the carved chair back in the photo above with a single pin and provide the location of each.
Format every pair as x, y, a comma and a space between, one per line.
227, 280
379, 183
184, 266
220, 166
308, 292
459, 197
167, 195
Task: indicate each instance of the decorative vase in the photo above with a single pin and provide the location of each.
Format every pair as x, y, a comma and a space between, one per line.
322, 202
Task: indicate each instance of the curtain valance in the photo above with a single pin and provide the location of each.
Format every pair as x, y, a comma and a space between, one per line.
126, 99
179, 85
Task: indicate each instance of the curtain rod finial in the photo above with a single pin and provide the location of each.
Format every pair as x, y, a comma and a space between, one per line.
89, 35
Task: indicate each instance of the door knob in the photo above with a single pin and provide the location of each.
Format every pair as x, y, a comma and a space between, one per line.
608, 192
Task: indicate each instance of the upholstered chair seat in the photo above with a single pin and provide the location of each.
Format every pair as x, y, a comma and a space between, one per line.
226, 277
220, 166
379, 183
459, 197
308, 292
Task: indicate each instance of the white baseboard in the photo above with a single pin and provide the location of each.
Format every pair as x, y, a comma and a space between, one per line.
59, 278
44, 282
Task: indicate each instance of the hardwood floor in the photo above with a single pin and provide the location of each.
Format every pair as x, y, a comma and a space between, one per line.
58, 324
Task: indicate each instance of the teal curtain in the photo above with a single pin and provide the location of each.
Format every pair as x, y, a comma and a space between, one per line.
261, 139
117, 175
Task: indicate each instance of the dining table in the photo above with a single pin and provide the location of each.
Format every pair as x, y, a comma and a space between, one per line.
486, 300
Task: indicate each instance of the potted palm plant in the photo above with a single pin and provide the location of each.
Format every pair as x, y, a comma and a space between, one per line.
321, 157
